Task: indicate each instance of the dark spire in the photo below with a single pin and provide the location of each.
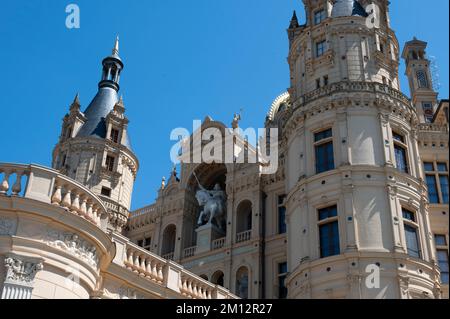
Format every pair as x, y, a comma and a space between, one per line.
294, 21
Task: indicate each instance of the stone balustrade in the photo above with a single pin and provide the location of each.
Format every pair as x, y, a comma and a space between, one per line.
49, 186
243, 236
195, 288
169, 256
218, 243
144, 263
170, 275
431, 127
189, 252
351, 86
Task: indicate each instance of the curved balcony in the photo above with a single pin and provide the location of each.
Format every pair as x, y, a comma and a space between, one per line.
49, 186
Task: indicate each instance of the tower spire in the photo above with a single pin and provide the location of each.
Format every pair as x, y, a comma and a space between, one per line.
115, 50
294, 21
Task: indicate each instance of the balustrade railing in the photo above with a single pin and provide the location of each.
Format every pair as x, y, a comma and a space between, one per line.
189, 252
431, 127
144, 263
243, 236
218, 243
49, 186
194, 287
168, 256
171, 275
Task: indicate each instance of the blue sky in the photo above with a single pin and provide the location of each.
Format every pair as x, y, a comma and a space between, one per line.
183, 60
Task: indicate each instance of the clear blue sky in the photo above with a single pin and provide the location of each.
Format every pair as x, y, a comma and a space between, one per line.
183, 60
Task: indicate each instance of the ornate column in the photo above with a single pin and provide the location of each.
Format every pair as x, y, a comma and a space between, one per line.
19, 278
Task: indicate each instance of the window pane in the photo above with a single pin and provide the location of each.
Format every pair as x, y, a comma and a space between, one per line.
323, 135
444, 188
328, 212
320, 48
319, 16
422, 79
329, 239
281, 220
282, 290
324, 157
408, 215
440, 240
400, 159
412, 242
282, 268
432, 189
442, 167
443, 265
428, 167
398, 137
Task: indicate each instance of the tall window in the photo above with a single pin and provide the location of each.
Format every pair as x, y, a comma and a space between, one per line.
281, 215
411, 233
422, 79
328, 232
319, 16
320, 48
282, 273
436, 175
323, 144
428, 112
442, 256
109, 163
400, 152
114, 135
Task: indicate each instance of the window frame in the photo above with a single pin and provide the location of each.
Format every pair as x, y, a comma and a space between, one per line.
279, 207
401, 144
437, 174
116, 137
279, 276
321, 48
322, 142
328, 221
412, 224
443, 248
110, 164
321, 14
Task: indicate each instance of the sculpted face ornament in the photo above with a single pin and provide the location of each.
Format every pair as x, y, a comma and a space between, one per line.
214, 206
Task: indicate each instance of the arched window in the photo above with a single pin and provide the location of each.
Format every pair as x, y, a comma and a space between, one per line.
414, 55
204, 277
242, 282
422, 79
217, 278
168, 245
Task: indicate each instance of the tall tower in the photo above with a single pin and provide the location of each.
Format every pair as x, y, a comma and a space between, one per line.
357, 215
419, 75
94, 147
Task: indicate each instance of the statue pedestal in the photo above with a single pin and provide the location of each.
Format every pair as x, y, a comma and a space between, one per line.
206, 234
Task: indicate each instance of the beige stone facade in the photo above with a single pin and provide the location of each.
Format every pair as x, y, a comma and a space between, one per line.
358, 207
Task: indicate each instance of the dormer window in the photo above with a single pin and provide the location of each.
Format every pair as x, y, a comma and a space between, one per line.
110, 163
319, 16
114, 136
